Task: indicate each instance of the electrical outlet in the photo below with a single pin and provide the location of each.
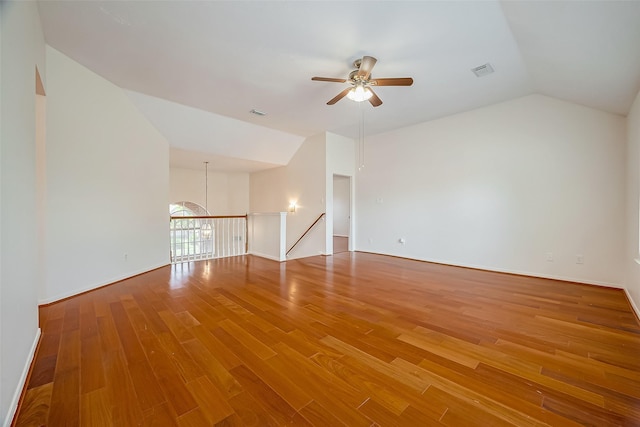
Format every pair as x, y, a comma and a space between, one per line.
402, 241
579, 259
549, 256
126, 256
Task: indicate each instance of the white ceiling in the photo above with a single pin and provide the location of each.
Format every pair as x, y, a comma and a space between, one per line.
196, 68
227, 144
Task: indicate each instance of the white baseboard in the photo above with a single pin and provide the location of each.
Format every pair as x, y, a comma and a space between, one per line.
267, 256
508, 271
94, 286
22, 383
320, 253
634, 306
546, 276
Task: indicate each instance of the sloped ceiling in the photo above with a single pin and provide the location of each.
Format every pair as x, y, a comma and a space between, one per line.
196, 68
587, 52
227, 144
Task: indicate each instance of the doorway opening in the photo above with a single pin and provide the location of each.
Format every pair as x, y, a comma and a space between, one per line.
341, 213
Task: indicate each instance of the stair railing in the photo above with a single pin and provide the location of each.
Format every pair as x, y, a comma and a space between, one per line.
307, 231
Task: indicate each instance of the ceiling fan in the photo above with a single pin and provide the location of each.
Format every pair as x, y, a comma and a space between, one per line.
360, 81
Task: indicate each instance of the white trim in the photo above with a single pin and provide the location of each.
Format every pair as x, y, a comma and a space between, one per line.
268, 213
634, 306
516, 272
271, 257
320, 253
98, 285
548, 276
11, 412
340, 235
637, 260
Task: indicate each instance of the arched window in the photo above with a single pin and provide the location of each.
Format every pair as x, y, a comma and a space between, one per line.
187, 209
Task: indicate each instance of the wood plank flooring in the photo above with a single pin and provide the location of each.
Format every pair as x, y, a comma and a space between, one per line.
353, 339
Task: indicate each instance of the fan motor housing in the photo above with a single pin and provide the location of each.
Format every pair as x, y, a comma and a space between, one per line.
353, 76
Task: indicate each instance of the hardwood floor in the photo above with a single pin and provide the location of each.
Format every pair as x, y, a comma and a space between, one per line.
352, 339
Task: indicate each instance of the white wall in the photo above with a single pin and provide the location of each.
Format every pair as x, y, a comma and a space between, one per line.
632, 256
228, 192
22, 47
267, 235
499, 188
107, 183
303, 180
41, 188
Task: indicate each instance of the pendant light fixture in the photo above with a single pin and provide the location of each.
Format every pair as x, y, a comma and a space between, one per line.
360, 142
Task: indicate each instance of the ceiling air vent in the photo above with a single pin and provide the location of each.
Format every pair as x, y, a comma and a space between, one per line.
258, 112
482, 70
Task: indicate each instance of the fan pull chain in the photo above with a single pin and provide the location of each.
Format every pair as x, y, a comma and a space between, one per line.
361, 138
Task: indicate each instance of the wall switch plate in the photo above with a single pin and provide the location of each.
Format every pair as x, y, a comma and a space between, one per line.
579, 259
550, 256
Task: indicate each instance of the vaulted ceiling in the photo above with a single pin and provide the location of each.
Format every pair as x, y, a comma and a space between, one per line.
197, 68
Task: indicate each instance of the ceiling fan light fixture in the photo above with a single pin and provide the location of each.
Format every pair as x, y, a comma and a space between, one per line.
360, 81
359, 93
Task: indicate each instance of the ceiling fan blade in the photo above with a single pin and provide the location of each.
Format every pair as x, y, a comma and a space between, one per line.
366, 65
374, 100
339, 96
399, 81
328, 79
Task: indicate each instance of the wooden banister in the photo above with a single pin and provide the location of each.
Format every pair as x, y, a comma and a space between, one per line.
209, 217
306, 232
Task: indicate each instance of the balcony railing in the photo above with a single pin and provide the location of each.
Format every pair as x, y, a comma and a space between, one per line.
195, 238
